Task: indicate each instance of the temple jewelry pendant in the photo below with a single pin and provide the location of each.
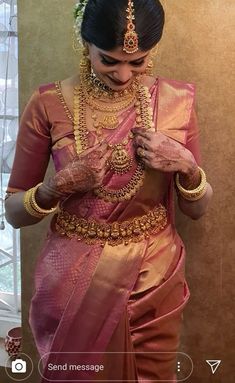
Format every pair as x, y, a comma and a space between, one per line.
120, 161
109, 122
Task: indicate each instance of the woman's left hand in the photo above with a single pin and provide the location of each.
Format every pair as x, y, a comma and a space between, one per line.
162, 153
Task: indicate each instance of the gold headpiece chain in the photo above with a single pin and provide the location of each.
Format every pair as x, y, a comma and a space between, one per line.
131, 40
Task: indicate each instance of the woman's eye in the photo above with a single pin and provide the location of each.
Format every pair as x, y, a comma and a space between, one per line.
113, 62
137, 63
107, 62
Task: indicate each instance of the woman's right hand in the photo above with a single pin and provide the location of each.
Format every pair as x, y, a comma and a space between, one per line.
84, 173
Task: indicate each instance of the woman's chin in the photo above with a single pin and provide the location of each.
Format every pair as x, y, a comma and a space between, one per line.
112, 84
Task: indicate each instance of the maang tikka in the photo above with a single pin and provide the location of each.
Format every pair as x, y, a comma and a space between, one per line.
131, 40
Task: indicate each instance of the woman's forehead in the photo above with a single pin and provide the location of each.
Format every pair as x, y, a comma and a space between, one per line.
119, 55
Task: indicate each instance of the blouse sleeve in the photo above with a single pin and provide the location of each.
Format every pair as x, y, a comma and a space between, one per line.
192, 143
32, 146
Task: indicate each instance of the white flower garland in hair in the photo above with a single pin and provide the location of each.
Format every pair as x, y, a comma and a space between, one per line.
78, 13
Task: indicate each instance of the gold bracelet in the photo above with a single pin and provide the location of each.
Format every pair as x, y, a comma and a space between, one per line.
28, 206
35, 205
196, 196
193, 194
31, 205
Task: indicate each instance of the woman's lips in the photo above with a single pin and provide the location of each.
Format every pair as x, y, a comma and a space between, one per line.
119, 83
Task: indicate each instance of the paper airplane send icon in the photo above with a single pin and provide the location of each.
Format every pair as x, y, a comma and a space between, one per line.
214, 364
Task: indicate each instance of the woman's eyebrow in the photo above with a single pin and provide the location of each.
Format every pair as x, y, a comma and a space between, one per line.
119, 61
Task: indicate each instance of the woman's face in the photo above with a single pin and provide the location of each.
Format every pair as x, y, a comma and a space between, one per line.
116, 68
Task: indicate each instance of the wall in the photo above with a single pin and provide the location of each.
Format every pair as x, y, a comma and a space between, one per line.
197, 46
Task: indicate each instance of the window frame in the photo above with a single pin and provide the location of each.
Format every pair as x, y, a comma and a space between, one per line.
10, 302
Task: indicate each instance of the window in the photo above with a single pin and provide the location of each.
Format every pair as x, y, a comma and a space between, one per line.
9, 237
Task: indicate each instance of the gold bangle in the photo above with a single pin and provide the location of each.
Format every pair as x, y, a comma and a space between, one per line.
193, 194
28, 206
196, 196
35, 205
31, 205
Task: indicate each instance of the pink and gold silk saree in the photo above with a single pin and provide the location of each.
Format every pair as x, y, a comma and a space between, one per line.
116, 306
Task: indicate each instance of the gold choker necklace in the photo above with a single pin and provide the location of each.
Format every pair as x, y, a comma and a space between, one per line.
96, 88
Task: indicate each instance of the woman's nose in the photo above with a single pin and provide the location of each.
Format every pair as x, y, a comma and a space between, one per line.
123, 74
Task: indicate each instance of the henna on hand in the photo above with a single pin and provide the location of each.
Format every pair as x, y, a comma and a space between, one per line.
82, 174
164, 154
74, 178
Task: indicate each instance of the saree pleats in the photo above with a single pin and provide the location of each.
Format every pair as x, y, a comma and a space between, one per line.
143, 347
155, 320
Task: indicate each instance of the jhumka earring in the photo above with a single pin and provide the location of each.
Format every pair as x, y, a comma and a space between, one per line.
83, 50
131, 40
150, 68
85, 64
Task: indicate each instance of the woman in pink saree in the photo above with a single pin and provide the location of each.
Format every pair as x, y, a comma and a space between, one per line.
109, 282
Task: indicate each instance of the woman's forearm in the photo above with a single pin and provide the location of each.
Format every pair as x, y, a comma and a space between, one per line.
15, 212
17, 215
196, 209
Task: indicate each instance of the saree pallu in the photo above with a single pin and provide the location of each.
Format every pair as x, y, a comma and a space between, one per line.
120, 306
126, 303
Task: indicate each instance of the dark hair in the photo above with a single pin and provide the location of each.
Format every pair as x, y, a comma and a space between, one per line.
105, 22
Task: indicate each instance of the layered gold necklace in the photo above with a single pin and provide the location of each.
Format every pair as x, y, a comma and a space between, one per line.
100, 99
99, 90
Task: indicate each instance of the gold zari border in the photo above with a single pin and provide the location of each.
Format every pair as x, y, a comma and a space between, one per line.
93, 232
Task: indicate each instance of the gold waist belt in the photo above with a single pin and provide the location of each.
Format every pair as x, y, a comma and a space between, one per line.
93, 232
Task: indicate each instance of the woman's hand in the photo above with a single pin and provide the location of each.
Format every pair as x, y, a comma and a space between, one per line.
81, 175
163, 153
84, 173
